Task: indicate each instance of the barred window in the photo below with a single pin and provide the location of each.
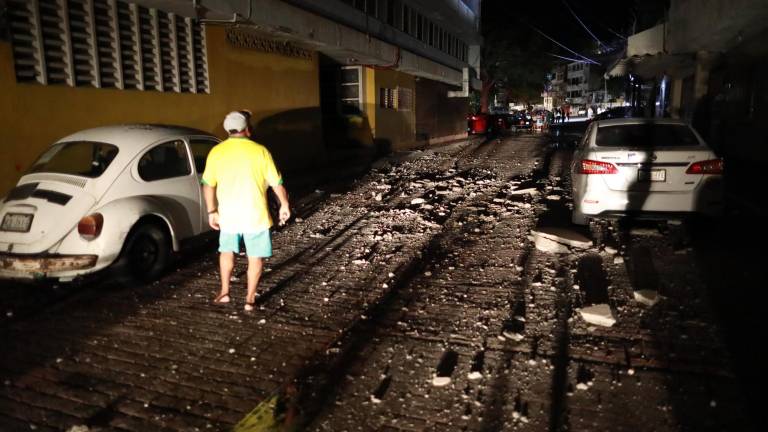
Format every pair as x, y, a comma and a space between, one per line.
106, 44
387, 98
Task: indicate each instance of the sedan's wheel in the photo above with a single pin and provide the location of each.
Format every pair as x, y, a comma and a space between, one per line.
148, 252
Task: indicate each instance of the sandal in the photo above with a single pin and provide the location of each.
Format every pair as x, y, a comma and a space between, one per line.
221, 299
249, 306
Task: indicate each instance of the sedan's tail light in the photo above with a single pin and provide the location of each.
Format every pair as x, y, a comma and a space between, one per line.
712, 166
90, 226
588, 166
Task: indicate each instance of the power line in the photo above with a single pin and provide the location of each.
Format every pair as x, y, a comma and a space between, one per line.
614, 32
567, 58
582, 24
587, 59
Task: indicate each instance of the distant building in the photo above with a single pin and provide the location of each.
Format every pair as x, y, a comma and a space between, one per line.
555, 91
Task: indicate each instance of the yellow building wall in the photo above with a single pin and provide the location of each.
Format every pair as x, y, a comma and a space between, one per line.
282, 92
397, 128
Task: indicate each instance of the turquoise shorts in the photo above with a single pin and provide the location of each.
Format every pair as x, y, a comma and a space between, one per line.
257, 245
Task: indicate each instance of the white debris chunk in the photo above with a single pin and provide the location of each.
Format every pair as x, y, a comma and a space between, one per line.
517, 337
528, 191
553, 197
599, 314
618, 260
546, 245
472, 376
231, 350
646, 297
581, 386
441, 381
611, 251
564, 236
417, 201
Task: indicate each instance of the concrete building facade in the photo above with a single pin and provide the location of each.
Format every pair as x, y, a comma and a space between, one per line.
322, 78
708, 64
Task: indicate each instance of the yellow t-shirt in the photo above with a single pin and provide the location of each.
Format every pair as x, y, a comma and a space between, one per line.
241, 170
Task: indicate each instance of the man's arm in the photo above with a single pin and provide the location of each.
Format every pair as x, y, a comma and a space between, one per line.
285, 209
209, 192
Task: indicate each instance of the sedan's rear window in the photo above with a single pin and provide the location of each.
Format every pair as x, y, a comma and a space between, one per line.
81, 158
647, 135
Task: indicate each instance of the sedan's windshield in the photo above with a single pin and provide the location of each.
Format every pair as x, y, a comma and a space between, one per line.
81, 158
647, 135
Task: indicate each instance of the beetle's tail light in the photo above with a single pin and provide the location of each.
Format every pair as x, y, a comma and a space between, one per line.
90, 226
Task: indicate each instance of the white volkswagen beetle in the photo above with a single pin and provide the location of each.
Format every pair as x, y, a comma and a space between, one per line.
130, 192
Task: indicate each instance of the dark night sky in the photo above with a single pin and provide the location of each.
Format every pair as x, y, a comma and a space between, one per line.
514, 20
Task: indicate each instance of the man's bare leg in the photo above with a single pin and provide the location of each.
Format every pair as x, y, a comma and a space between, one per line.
255, 266
226, 264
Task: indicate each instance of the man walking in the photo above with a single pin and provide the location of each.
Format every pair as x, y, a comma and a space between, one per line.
237, 174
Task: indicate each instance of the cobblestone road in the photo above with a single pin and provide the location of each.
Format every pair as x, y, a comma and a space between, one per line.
414, 301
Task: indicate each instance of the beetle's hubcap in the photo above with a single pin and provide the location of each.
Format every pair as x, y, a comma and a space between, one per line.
145, 252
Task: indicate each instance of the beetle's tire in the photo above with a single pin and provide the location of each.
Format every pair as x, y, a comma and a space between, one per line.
147, 252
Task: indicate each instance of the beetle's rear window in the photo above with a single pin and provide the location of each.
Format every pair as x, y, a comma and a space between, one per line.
647, 135
81, 158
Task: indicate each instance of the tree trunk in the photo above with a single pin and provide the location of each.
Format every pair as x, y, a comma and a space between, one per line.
485, 94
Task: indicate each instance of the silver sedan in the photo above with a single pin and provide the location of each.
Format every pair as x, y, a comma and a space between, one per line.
644, 168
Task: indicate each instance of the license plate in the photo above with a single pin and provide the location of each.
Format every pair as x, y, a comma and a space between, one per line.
646, 175
16, 222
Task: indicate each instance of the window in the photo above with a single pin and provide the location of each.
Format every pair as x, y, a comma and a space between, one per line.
80, 158
387, 98
646, 135
391, 13
106, 44
165, 161
200, 149
370, 8
406, 19
419, 27
351, 87
431, 40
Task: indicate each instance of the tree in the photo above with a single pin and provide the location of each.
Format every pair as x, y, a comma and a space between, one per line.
514, 60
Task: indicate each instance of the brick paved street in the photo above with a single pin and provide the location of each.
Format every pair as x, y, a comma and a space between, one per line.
416, 300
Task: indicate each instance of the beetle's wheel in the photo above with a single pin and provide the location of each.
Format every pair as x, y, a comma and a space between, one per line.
148, 252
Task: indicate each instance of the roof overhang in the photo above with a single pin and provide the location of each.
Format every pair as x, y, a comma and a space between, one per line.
654, 66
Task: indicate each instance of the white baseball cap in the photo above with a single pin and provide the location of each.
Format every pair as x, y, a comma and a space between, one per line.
235, 121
